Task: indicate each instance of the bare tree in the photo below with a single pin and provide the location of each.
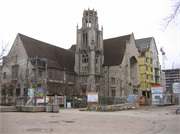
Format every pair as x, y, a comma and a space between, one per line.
8, 88
172, 17
4, 50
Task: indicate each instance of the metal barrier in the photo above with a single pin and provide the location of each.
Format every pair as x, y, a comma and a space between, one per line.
57, 99
77, 101
14, 100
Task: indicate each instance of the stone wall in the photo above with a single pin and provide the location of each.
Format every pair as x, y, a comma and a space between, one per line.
123, 84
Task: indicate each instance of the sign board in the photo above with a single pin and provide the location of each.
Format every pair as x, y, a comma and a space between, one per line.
92, 97
42, 100
156, 89
39, 93
31, 92
176, 88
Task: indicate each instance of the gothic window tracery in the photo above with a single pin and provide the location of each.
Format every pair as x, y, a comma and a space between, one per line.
85, 57
85, 61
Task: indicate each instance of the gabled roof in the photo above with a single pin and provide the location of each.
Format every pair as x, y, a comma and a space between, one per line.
114, 50
57, 57
143, 41
73, 48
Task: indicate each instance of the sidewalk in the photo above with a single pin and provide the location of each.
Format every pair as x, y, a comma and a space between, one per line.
73, 121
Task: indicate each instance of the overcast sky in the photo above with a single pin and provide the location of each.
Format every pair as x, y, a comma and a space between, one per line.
55, 21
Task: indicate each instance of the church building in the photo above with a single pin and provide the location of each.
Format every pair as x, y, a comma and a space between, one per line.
93, 64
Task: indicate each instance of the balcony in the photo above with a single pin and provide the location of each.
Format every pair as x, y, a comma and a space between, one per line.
151, 73
151, 81
157, 66
157, 74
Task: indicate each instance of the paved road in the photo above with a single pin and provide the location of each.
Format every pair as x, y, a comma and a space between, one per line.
162, 120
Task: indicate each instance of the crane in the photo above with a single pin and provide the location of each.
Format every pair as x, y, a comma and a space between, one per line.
163, 57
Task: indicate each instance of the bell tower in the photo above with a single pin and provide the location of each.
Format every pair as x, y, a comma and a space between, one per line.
89, 55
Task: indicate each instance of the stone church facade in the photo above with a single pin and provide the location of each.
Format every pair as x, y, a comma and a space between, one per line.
109, 66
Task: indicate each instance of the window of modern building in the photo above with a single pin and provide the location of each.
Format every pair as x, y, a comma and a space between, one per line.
151, 54
144, 47
151, 61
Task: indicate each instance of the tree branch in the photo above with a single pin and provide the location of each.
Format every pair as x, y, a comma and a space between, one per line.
171, 17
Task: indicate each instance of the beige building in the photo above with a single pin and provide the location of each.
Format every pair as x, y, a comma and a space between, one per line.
110, 65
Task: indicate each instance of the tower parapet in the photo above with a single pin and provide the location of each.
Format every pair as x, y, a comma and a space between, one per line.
90, 19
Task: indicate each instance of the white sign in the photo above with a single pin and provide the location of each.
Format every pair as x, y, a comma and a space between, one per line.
42, 100
92, 97
156, 89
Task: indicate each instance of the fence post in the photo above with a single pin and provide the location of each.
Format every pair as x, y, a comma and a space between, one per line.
55, 98
64, 101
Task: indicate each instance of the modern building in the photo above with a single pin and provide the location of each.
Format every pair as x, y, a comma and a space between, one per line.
109, 66
149, 65
163, 81
172, 76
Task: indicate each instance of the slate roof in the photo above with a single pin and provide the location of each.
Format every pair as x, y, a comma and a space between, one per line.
143, 41
57, 57
114, 50
73, 48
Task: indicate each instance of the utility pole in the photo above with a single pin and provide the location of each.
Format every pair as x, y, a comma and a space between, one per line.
36, 60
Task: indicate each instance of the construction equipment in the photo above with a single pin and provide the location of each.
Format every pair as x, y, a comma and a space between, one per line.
163, 57
143, 100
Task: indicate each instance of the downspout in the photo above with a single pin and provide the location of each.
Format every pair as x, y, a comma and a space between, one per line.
108, 80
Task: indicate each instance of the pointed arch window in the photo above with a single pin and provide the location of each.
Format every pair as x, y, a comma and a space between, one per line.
97, 58
84, 61
97, 62
85, 40
85, 57
97, 39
